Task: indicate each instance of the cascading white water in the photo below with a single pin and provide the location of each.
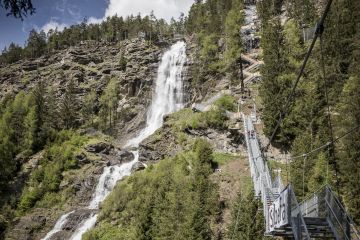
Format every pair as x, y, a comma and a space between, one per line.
58, 225
168, 98
108, 180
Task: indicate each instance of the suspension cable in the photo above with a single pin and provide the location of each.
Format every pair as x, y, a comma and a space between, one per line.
326, 144
285, 109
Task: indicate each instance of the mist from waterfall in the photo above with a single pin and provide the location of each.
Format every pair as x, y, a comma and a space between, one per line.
167, 98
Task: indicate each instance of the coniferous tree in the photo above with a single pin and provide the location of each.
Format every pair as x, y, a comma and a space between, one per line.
68, 106
233, 23
247, 220
349, 146
89, 106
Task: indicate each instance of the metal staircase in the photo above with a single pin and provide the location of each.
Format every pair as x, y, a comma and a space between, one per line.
320, 216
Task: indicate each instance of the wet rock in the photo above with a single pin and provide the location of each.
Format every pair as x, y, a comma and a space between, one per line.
75, 218
125, 156
84, 188
148, 153
139, 166
100, 147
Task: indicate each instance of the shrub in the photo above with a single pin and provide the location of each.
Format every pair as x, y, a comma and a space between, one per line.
29, 198
226, 102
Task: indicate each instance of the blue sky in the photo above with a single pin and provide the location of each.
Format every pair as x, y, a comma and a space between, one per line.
62, 13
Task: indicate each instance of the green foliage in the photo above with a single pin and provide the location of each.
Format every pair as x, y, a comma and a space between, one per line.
113, 29
18, 8
123, 63
109, 103
174, 199
88, 106
36, 44
206, 21
46, 179
11, 54
307, 126
29, 198
68, 106
233, 23
222, 158
348, 159
214, 118
247, 221
226, 102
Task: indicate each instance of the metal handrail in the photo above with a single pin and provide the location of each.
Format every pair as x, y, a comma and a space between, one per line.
338, 203
314, 193
327, 203
315, 202
307, 236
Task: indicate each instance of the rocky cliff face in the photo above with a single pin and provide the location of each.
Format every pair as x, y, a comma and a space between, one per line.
90, 65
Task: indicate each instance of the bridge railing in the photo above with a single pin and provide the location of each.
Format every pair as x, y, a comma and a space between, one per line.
296, 218
343, 225
324, 204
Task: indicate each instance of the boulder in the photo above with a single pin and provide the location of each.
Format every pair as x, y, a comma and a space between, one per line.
65, 66
75, 218
139, 166
29, 66
100, 147
25, 226
125, 156
106, 71
86, 59
82, 159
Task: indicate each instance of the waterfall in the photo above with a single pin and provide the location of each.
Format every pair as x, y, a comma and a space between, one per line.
167, 98
58, 225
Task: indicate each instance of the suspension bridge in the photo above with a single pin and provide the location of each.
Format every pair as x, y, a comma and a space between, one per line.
319, 216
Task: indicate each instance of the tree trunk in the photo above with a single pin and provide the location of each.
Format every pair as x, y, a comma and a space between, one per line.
242, 76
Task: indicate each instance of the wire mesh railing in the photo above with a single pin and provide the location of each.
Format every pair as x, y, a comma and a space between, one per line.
324, 204
297, 221
343, 225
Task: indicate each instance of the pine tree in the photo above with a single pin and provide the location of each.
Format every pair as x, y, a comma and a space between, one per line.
247, 220
89, 106
109, 103
350, 146
68, 106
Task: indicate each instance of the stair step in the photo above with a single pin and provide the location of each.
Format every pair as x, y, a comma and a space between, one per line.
316, 221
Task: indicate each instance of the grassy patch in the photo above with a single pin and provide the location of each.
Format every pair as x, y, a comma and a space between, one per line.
222, 158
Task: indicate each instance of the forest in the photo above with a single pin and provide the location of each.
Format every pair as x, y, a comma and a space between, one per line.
113, 29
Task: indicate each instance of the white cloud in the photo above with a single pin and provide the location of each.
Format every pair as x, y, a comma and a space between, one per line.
94, 20
162, 8
53, 25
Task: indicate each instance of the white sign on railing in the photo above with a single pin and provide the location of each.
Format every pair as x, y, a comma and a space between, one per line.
278, 211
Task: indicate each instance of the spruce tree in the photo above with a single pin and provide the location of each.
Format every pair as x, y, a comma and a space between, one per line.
68, 106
